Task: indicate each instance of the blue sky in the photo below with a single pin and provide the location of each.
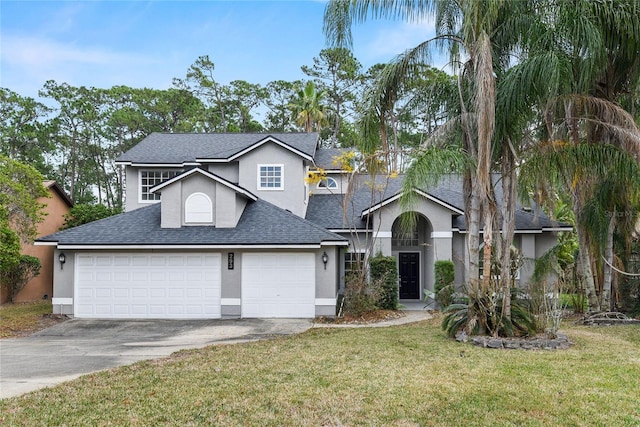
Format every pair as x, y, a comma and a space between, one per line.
147, 43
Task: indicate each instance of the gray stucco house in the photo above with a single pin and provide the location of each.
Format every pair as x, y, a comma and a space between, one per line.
225, 225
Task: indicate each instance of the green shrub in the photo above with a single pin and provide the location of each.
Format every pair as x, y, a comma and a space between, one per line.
577, 302
358, 298
477, 317
444, 275
384, 275
15, 277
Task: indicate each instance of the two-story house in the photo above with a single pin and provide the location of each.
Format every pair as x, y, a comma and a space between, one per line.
226, 225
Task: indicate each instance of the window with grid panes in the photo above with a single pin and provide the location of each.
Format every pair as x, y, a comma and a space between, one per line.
151, 178
270, 177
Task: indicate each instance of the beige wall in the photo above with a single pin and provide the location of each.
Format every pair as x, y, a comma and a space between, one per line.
42, 285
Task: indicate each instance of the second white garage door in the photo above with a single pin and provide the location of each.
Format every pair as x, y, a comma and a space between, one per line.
148, 286
278, 285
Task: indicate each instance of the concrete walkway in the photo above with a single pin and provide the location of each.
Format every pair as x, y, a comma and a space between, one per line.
410, 316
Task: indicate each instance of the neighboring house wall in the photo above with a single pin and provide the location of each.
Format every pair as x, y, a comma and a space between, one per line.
292, 195
42, 285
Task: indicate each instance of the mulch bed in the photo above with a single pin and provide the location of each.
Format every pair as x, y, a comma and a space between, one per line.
375, 316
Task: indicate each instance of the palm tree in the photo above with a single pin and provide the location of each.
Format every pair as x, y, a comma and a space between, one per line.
309, 109
467, 28
576, 71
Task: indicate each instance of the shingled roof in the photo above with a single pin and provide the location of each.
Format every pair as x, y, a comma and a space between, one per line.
261, 224
181, 148
327, 210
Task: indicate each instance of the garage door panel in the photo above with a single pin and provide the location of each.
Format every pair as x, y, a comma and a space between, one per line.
278, 285
118, 286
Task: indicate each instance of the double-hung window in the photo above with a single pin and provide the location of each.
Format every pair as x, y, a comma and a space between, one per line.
353, 261
270, 177
151, 178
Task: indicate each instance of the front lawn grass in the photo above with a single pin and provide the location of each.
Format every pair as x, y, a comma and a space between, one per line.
396, 376
20, 319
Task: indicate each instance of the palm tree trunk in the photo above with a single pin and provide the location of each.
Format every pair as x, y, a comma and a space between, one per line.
608, 271
508, 224
585, 272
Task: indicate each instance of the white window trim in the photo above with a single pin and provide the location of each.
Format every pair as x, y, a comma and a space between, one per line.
209, 214
281, 188
140, 200
327, 187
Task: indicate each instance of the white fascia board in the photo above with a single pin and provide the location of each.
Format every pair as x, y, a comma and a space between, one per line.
275, 141
340, 171
209, 175
138, 247
351, 230
397, 196
37, 243
207, 160
334, 243
160, 165
552, 229
515, 232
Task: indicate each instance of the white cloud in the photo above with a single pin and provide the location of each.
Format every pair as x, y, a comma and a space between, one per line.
393, 40
37, 52
28, 62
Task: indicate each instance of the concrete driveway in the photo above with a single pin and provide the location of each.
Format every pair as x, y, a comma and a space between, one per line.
76, 347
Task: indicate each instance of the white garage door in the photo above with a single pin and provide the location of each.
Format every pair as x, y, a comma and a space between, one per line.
147, 286
278, 285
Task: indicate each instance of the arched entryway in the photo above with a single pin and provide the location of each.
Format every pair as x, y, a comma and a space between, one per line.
412, 247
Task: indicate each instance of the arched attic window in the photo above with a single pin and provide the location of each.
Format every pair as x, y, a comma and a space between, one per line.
198, 209
328, 182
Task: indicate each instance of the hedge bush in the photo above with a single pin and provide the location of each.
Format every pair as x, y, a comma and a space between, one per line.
444, 275
384, 275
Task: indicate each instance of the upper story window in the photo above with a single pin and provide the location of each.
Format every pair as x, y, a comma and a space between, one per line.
270, 177
198, 209
328, 183
151, 178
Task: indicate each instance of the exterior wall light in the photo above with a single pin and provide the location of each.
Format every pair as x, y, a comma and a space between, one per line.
62, 258
325, 259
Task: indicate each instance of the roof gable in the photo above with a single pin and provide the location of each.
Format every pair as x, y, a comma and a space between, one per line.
184, 149
208, 175
424, 194
55, 187
259, 144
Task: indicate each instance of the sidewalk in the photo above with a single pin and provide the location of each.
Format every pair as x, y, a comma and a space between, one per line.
411, 316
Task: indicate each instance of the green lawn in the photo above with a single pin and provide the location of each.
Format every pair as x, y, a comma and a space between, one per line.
399, 376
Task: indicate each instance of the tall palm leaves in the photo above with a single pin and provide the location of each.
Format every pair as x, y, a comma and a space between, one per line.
309, 109
466, 29
577, 79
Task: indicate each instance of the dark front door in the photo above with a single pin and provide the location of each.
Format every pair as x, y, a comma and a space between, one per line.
409, 275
